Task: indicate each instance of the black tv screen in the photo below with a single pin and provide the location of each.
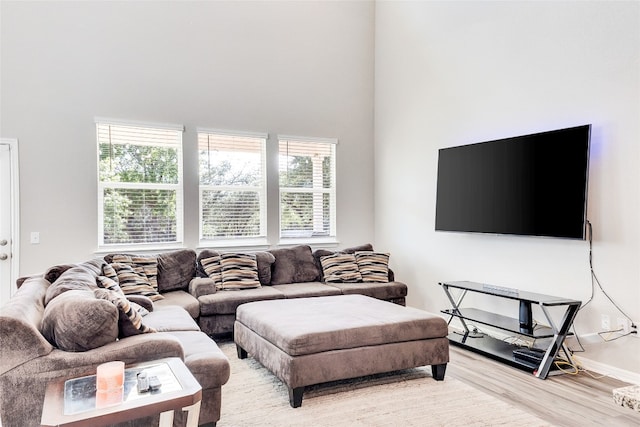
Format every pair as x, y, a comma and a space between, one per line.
532, 185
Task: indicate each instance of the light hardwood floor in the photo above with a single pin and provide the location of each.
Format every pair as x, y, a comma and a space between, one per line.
562, 400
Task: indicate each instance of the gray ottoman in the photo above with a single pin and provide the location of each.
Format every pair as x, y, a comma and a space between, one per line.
305, 341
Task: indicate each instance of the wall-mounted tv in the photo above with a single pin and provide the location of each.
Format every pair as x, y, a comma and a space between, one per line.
534, 185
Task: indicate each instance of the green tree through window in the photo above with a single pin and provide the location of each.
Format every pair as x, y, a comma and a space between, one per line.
140, 180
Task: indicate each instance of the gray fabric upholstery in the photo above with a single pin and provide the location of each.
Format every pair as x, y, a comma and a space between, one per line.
308, 289
265, 261
226, 302
202, 286
204, 358
77, 321
176, 269
182, 299
332, 365
82, 276
219, 324
20, 339
294, 265
314, 340
314, 325
28, 361
170, 318
385, 291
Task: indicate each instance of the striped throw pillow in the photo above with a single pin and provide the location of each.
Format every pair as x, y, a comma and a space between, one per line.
239, 271
109, 272
213, 268
108, 283
373, 266
149, 266
340, 267
130, 320
133, 281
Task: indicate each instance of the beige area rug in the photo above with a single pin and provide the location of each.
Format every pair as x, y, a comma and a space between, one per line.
255, 397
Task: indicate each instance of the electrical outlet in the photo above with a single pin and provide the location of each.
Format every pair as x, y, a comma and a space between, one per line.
605, 322
623, 325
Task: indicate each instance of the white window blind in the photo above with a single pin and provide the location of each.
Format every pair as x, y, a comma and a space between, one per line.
140, 188
232, 185
307, 187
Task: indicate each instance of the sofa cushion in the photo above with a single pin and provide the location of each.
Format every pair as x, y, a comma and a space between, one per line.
373, 266
226, 302
294, 265
129, 316
239, 271
171, 318
77, 321
176, 269
307, 289
133, 281
384, 291
181, 299
340, 267
204, 358
80, 277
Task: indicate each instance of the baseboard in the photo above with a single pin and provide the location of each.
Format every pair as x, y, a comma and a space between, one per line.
604, 369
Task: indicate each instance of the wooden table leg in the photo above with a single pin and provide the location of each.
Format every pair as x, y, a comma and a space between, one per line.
193, 414
166, 419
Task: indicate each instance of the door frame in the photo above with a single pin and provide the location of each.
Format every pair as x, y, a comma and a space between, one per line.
14, 209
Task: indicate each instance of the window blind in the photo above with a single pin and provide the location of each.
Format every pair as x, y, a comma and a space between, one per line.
307, 187
140, 183
232, 185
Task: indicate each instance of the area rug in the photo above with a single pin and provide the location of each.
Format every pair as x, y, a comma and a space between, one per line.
255, 397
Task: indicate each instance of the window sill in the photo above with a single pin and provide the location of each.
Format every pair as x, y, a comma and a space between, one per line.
151, 248
235, 244
315, 243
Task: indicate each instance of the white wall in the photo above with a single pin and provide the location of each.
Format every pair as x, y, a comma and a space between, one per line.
296, 68
454, 73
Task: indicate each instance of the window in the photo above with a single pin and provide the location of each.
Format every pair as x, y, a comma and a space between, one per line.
232, 185
307, 187
139, 183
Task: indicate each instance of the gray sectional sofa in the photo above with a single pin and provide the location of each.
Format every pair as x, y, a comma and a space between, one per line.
67, 321
290, 273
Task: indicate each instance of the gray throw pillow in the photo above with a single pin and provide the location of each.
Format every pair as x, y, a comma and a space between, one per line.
176, 269
76, 321
294, 265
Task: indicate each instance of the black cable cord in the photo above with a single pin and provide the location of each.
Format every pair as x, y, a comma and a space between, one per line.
594, 281
595, 278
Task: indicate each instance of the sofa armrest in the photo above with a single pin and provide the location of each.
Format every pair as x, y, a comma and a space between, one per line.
202, 286
141, 300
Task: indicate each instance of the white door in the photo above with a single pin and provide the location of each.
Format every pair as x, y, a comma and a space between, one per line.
8, 218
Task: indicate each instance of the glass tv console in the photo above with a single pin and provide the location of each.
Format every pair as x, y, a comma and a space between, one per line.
552, 336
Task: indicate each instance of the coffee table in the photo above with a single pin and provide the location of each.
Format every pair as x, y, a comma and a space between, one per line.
72, 402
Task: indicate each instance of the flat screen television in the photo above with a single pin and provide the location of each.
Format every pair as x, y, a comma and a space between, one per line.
533, 185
